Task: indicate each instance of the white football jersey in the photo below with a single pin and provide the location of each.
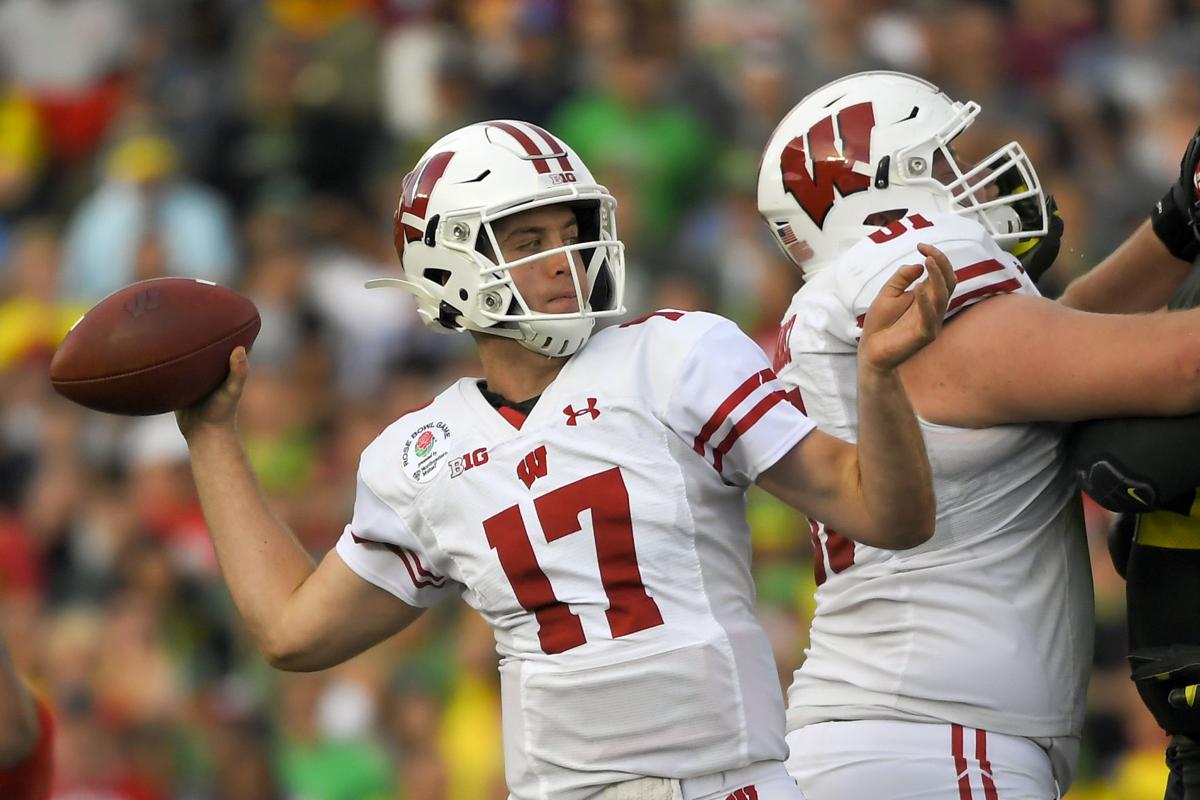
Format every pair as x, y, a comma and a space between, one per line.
989, 623
605, 541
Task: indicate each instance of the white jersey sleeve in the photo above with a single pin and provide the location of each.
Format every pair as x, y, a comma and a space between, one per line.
727, 403
983, 270
381, 549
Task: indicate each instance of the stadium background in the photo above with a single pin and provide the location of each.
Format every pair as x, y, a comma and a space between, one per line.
261, 145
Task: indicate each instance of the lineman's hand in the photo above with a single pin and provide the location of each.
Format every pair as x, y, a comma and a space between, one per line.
219, 409
1176, 217
901, 321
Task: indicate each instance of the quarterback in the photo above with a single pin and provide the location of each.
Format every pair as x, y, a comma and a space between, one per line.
586, 496
956, 669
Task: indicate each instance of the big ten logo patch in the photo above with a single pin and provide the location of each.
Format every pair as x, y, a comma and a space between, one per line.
476, 458
744, 793
425, 451
533, 466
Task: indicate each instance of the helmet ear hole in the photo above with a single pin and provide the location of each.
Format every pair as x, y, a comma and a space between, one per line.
439, 276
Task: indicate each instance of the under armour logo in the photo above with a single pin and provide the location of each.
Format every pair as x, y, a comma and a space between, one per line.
744, 793
573, 415
532, 467
140, 303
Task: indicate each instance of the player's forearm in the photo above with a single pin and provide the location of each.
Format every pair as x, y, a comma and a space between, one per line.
897, 485
262, 562
1138, 276
18, 714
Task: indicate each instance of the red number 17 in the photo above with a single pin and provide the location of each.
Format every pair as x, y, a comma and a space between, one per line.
630, 609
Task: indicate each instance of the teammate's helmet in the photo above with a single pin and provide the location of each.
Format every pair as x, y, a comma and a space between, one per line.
869, 148
451, 258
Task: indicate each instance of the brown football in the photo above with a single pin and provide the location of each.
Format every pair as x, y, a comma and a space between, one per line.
154, 346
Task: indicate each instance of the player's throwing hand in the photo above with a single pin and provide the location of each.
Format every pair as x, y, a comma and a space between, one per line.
220, 407
900, 320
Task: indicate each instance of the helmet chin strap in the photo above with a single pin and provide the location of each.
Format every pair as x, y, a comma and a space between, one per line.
556, 338
1003, 220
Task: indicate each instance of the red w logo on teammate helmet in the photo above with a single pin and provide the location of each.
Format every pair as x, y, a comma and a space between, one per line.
832, 166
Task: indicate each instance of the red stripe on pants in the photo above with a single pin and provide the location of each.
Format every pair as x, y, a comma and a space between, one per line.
985, 766
960, 762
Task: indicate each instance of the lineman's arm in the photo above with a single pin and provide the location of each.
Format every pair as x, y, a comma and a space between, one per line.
1144, 271
302, 618
1140, 275
880, 491
888, 503
1141, 463
1017, 358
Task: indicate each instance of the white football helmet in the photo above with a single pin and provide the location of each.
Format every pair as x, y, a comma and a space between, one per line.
867, 149
463, 184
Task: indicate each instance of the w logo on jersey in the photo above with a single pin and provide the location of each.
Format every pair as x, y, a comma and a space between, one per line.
532, 467
833, 158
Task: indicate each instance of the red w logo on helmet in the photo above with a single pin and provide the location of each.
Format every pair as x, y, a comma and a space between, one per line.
832, 166
414, 198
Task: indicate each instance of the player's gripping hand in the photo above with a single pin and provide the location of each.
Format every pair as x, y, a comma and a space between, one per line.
901, 320
1176, 217
219, 409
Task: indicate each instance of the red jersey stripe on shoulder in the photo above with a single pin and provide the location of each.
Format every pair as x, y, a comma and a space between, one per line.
556, 146
531, 149
671, 315
978, 268
746, 423
1003, 287
728, 405
966, 273
416, 571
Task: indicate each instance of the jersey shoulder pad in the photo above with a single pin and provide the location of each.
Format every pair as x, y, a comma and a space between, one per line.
658, 334
894, 245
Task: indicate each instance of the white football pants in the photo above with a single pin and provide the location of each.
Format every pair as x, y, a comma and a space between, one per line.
891, 760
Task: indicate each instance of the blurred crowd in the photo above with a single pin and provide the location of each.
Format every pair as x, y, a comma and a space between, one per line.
261, 145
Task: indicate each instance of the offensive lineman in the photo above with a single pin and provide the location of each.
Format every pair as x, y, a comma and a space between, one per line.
586, 497
956, 669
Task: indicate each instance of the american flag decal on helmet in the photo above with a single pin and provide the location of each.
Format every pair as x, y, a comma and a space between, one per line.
785, 233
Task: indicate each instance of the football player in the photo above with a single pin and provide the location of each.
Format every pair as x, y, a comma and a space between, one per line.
956, 669
1147, 469
587, 495
26, 737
